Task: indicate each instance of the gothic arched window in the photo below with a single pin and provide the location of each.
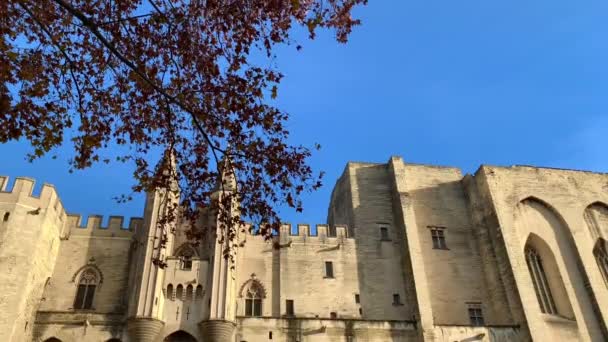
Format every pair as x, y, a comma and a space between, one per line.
86, 289
601, 256
539, 279
253, 300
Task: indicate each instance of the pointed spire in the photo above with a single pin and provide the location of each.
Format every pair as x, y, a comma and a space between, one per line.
226, 175
167, 168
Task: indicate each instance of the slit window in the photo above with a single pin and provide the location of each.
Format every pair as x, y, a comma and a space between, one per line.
357, 298
329, 269
438, 237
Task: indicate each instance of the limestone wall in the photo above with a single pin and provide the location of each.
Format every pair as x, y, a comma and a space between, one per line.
550, 204
324, 330
292, 267
454, 275
370, 189
106, 249
30, 229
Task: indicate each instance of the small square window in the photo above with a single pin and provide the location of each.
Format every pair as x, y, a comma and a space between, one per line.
384, 234
475, 314
438, 237
289, 307
333, 315
397, 299
329, 269
357, 299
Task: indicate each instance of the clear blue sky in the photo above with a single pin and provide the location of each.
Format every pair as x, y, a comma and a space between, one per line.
456, 83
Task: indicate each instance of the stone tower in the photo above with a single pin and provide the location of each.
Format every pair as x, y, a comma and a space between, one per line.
30, 231
146, 302
221, 323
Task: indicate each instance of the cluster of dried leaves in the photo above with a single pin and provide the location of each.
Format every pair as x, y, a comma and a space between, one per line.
176, 74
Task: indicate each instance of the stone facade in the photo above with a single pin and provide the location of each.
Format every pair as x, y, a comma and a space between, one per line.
409, 253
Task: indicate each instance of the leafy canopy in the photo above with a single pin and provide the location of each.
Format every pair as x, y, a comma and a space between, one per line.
172, 74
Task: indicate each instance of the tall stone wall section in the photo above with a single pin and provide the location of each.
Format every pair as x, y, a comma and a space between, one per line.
369, 188
31, 226
549, 205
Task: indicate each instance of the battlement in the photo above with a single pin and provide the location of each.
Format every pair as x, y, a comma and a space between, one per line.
303, 233
93, 226
22, 191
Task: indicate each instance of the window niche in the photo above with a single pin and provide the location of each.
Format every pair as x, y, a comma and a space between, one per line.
475, 314
329, 269
438, 237
546, 279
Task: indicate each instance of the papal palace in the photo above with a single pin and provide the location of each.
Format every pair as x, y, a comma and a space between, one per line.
409, 252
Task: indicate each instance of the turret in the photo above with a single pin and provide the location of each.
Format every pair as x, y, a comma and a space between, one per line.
220, 326
151, 245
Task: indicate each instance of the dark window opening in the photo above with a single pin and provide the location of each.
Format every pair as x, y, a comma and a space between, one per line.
361, 311
357, 299
396, 299
384, 234
289, 307
333, 315
438, 237
6, 216
187, 263
253, 307
270, 335
329, 269
476, 315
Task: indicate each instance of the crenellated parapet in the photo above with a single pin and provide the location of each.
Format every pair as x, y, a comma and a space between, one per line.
93, 226
325, 234
22, 192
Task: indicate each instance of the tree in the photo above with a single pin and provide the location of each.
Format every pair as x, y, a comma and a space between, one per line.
177, 74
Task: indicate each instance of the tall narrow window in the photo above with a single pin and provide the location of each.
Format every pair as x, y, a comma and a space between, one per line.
170, 292
86, 290
539, 280
189, 292
438, 237
253, 301
384, 234
601, 257
289, 307
179, 292
396, 299
329, 269
475, 314
199, 292
357, 298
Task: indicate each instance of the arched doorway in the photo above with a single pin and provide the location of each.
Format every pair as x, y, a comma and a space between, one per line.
180, 336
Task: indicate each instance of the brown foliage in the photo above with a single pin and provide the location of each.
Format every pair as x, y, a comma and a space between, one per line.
176, 74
